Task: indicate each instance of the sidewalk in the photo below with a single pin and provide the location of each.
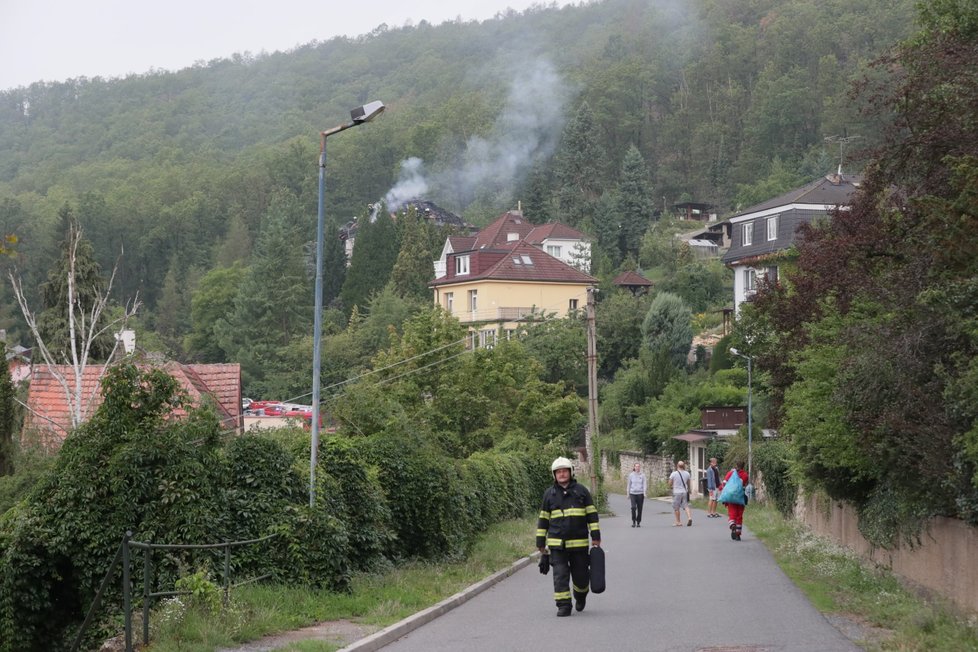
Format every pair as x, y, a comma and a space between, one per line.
669, 589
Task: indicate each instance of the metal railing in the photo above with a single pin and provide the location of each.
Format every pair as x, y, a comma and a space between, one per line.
124, 555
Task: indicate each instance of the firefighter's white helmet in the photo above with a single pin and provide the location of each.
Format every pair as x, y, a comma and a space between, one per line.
561, 463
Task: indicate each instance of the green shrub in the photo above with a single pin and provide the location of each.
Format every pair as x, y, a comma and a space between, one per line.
128, 468
359, 499
773, 461
203, 593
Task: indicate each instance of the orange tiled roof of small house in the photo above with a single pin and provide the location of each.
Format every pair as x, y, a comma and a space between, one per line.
49, 413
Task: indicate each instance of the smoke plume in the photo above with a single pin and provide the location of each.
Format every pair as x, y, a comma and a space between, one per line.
526, 132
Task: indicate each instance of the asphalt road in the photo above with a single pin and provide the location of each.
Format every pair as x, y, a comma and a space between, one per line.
669, 589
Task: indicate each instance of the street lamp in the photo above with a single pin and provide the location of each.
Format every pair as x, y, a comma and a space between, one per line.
358, 116
750, 424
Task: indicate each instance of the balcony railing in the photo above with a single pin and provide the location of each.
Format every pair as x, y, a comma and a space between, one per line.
499, 314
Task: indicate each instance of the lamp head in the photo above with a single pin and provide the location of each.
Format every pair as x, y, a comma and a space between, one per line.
734, 351
367, 112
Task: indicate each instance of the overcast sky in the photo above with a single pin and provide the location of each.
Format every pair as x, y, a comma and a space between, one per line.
54, 40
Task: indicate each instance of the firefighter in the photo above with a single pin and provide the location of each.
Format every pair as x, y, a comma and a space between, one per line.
567, 519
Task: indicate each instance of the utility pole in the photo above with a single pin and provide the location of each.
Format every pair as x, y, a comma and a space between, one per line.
592, 388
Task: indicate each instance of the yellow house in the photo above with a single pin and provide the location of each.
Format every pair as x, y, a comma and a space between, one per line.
496, 287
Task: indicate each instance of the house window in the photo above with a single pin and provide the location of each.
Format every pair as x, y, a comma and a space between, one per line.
750, 280
512, 237
487, 338
572, 305
554, 250
510, 333
747, 234
771, 274
461, 265
450, 302
474, 300
772, 228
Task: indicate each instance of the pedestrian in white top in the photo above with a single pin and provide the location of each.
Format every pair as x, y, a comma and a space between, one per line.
679, 479
636, 493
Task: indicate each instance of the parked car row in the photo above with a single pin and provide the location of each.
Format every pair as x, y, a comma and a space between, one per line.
275, 409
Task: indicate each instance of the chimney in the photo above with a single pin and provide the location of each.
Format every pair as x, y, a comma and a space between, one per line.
128, 339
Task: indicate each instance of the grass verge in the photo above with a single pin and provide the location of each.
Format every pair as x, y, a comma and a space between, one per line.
838, 583
378, 599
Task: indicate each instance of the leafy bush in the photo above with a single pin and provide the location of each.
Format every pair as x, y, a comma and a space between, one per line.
357, 494
127, 468
773, 461
261, 485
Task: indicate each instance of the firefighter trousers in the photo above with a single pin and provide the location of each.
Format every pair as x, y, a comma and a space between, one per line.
570, 566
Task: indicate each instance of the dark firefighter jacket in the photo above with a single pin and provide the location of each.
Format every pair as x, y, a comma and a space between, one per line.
567, 517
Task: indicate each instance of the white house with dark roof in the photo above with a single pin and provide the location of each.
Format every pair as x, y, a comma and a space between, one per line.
761, 234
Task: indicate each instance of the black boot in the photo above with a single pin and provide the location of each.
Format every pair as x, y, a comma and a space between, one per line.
581, 601
563, 610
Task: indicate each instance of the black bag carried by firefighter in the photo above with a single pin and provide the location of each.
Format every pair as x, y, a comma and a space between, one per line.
597, 569
544, 563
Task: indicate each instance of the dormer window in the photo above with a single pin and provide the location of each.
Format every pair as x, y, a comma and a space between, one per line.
772, 228
511, 237
461, 265
554, 250
747, 234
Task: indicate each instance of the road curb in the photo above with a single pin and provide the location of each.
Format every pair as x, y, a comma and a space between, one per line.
389, 634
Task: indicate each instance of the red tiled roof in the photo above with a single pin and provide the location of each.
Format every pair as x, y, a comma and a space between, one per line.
50, 413
523, 262
462, 242
498, 232
631, 278
553, 230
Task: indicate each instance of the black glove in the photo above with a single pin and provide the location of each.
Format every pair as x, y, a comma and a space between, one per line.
544, 563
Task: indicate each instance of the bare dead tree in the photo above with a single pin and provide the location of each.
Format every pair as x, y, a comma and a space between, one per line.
83, 331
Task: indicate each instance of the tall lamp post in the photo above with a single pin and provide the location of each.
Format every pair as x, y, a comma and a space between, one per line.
750, 424
358, 116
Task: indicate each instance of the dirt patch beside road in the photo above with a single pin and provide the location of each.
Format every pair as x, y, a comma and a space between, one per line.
340, 632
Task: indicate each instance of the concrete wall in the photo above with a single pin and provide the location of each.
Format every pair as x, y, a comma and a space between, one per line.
946, 562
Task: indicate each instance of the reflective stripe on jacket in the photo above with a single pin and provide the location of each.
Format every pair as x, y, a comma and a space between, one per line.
567, 517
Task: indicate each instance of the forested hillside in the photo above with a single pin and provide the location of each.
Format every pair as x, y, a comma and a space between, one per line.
181, 176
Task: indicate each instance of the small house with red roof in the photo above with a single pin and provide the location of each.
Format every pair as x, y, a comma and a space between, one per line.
633, 282
49, 412
503, 278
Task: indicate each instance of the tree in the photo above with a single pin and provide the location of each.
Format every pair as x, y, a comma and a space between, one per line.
334, 264
374, 255
55, 321
8, 421
667, 327
560, 345
580, 169
874, 330
211, 306
701, 285
619, 328
274, 303
413, 269
86, 322
634, 201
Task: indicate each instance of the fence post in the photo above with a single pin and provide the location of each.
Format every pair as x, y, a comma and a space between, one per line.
227, 572
146, 567
126, 590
